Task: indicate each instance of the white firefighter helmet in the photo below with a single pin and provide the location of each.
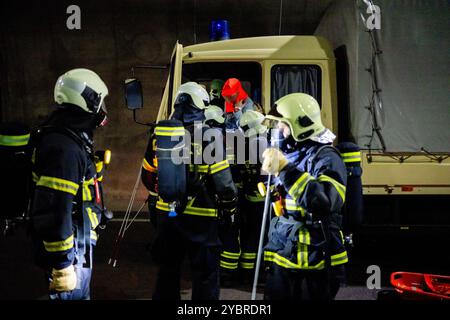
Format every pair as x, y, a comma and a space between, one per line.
251, 123
301, 113
199, 95
83, 88
214, 113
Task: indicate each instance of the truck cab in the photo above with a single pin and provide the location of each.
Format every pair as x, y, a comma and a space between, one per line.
273, 66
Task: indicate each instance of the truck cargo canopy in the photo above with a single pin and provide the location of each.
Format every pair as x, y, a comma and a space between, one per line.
412, 72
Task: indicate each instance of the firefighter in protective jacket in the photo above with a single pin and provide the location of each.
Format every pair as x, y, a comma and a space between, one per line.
64, 173
240, 239
305, 251
193, 231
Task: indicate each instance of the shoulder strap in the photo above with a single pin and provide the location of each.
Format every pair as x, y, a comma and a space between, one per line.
312, 159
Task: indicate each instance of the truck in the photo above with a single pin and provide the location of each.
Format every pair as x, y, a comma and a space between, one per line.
403, 189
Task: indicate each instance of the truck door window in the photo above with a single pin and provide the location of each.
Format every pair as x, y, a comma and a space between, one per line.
249, 73
290, 78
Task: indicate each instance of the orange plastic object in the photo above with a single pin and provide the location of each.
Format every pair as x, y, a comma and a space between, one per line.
420, 286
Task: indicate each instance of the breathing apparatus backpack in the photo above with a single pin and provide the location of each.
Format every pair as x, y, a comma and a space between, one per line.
172, 169
352, 210
15, 170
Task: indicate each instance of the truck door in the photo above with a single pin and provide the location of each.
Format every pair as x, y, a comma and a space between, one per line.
172, 84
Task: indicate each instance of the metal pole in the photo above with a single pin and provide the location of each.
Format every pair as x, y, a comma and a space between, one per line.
261, 237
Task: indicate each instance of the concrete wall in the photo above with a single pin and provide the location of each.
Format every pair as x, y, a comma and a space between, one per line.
36, 47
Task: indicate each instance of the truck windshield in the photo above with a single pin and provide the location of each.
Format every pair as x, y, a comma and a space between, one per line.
249, 73
291, 78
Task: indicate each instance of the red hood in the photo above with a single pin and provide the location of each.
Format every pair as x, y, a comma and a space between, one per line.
231, 87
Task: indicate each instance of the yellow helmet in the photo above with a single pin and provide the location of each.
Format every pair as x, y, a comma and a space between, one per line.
301, 113
83, 88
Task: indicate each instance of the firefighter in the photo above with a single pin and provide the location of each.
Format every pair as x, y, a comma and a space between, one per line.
305, 250
215, 91
241, 239
64, 172
193, 229
214, 117
237, 102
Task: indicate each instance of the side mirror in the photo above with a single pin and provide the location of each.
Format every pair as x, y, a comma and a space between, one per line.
133, 94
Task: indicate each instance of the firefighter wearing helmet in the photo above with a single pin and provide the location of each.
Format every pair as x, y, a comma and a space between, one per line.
188, 225
237, 102
240, 237
63, 218
305, 249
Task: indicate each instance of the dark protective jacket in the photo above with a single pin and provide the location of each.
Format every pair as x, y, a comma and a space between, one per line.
63, 170
309, 236
208, 184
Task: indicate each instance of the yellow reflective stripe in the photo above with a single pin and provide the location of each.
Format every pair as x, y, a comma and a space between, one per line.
14, 141
169, 131
248, 255
202, 168
230, 255
291, 205
92, 217
219, 166
230, 157
351, 156
302, 251
87, 196
228, 265
247, 265
100, 179
35, 176
56, 246
204, 212
161, 205
94, 235
147, 166
257, 198
58, 184
280, 260
33, 156
297, 188
99, 166
339, 258
338, 186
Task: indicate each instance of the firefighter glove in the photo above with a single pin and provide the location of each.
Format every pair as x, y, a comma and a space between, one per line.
274, 161
64, 279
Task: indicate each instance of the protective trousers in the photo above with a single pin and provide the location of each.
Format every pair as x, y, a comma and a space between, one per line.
169, 249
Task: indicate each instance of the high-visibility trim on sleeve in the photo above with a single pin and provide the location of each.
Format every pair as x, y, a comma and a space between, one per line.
58, 246
299, 186
217, 167
147, 166
14, 141
169, 131
351, 156
58, 184
340, 188
339, 258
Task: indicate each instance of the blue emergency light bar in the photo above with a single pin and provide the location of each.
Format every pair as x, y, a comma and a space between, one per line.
218, 30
